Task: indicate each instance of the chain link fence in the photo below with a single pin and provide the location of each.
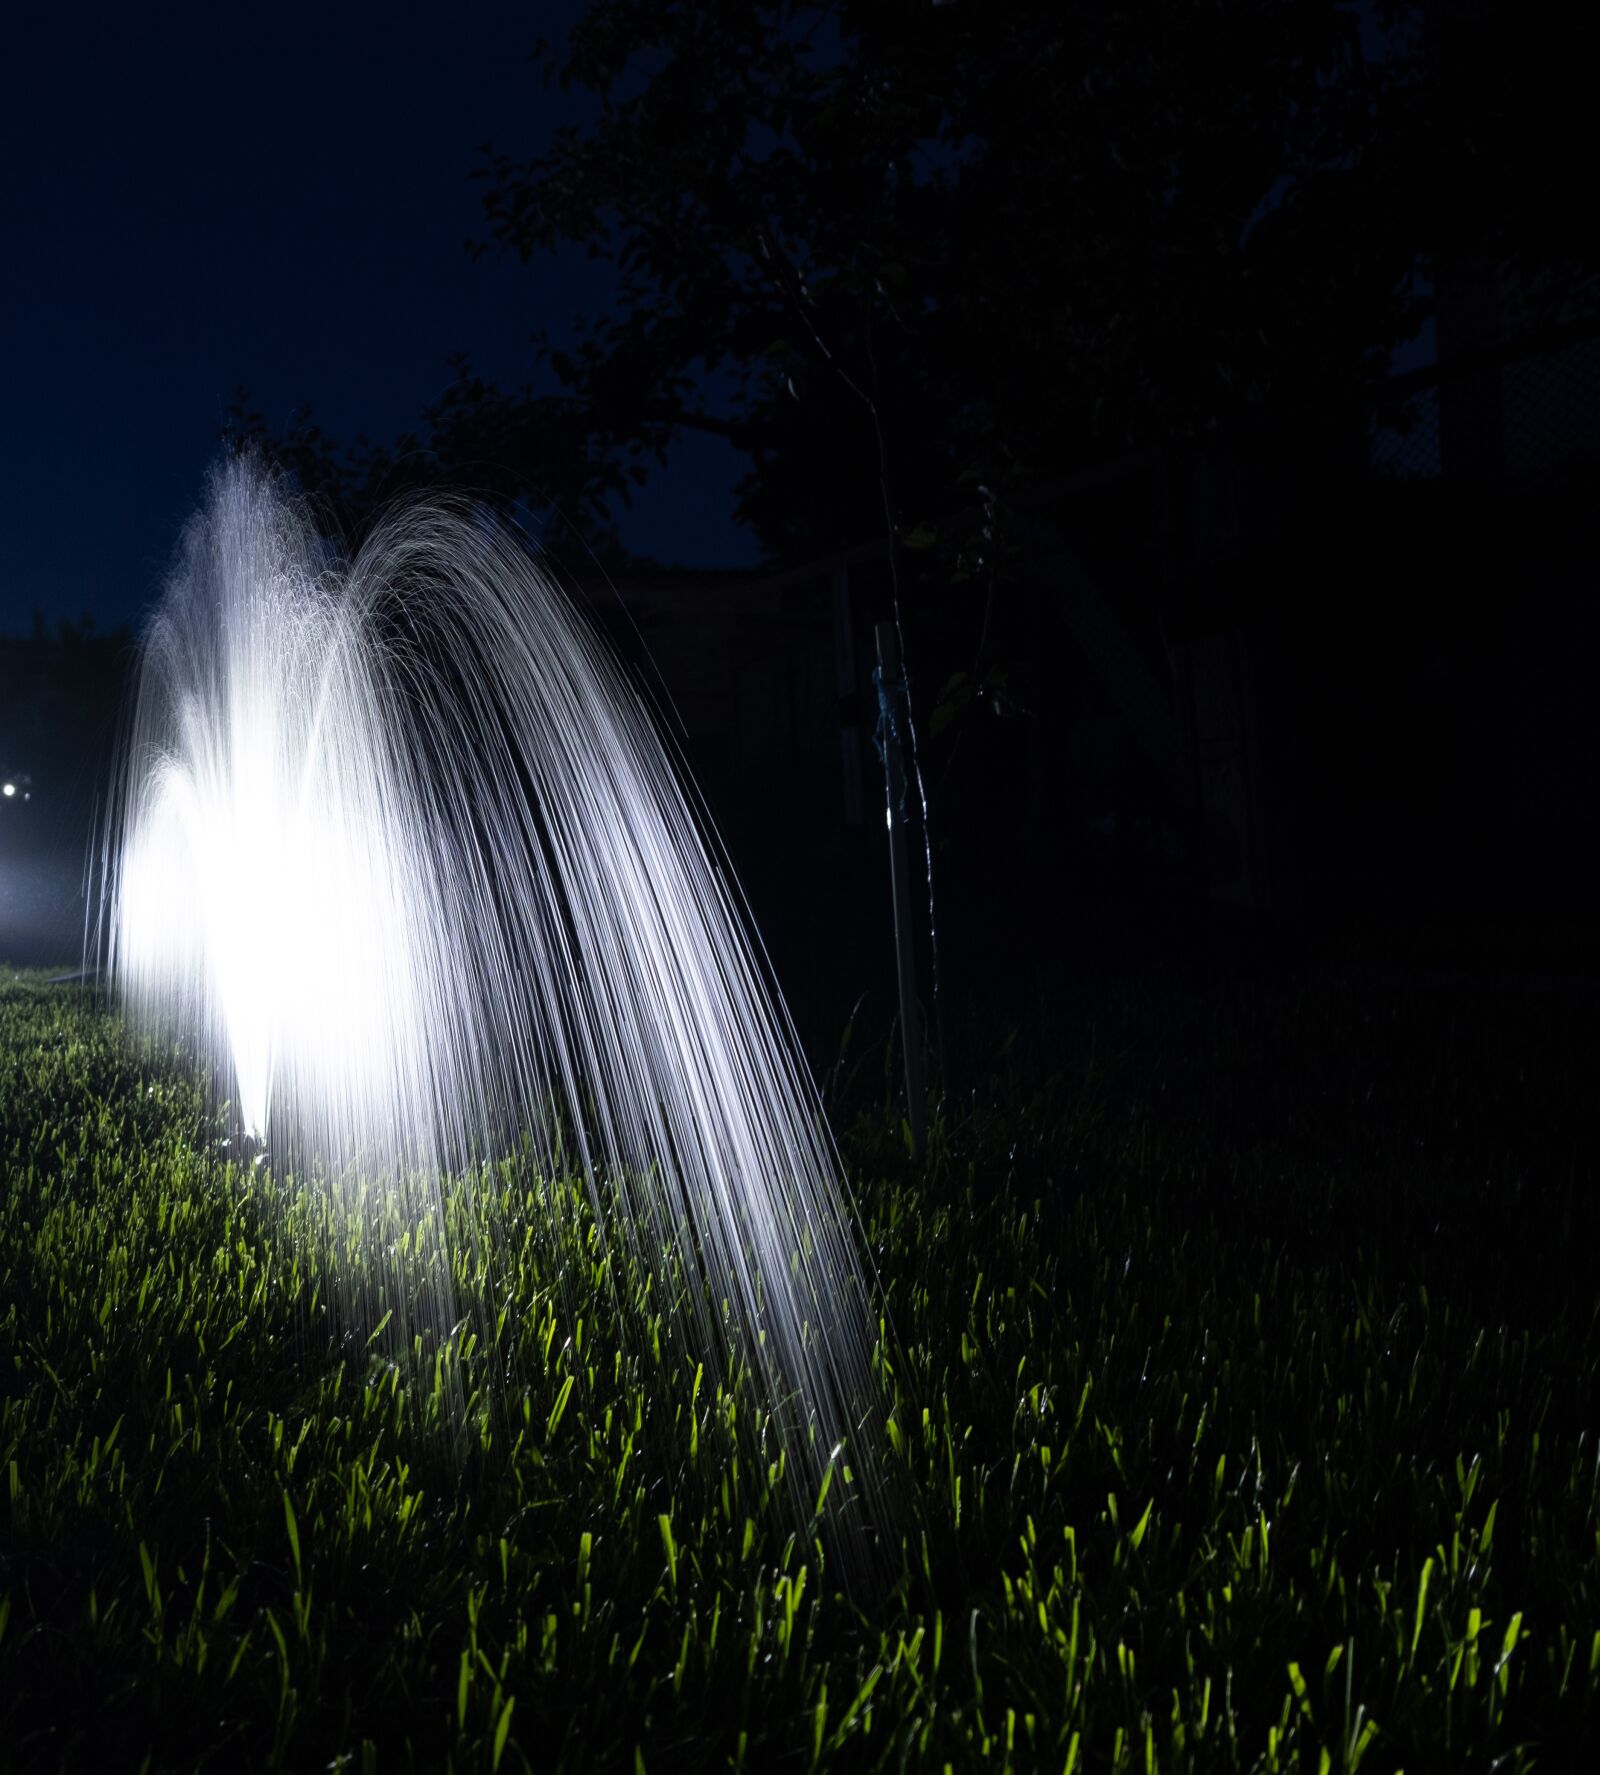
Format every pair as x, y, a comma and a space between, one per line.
1518, 414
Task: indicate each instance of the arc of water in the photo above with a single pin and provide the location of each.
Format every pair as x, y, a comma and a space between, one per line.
400, 853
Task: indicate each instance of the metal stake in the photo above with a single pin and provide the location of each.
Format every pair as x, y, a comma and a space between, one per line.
891, 728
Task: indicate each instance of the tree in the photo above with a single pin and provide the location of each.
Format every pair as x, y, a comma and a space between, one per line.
895, 253
933, 246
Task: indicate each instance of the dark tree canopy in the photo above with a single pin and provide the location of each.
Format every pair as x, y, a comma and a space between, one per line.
896, 252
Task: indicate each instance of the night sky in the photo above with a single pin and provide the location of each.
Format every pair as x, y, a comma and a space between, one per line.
278, 199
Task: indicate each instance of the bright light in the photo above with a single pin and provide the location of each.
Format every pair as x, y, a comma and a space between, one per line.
10, 789
400, 853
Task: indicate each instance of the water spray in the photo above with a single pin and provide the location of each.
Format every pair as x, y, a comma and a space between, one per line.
399, 854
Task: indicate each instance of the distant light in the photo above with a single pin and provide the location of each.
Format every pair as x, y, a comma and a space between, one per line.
10, 788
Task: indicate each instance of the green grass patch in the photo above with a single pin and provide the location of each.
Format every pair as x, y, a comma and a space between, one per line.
1244, 1374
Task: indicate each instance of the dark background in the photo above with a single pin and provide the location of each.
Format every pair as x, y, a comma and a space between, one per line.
198, 199
1216, 391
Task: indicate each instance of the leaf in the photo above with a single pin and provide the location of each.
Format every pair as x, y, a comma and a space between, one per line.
294, 1536
664, 1522
1137, 1535
501, 1730
1422, 1603
559, 1408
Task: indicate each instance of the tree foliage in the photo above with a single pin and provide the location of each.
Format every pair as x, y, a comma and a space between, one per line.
897, 252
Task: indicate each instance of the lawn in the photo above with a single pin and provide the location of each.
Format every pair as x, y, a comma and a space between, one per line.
1244, 1353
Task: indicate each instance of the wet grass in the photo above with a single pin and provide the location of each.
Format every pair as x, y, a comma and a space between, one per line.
1245, 1417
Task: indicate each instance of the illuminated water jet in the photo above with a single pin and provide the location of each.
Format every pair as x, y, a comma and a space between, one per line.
399, 852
